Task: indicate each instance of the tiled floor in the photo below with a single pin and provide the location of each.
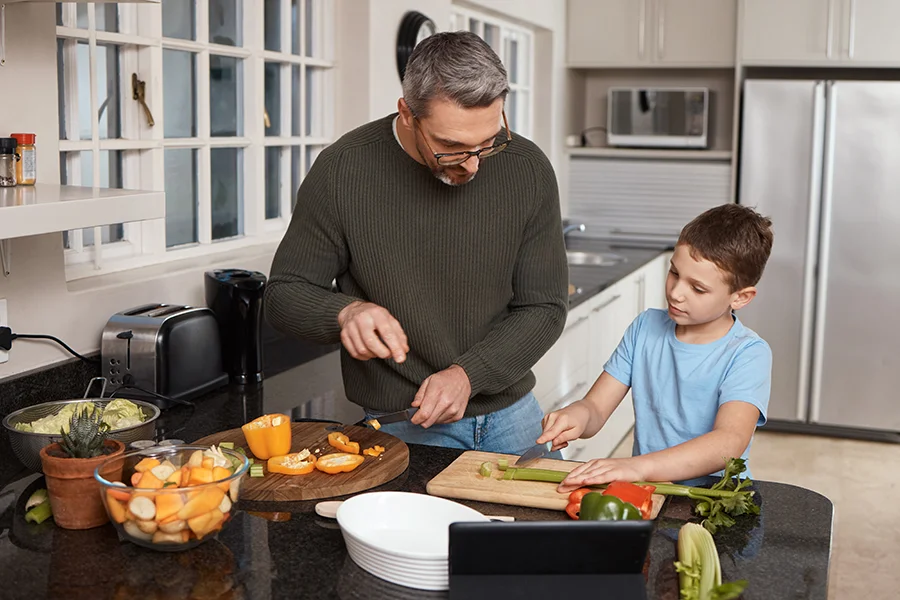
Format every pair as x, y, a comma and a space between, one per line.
862, 479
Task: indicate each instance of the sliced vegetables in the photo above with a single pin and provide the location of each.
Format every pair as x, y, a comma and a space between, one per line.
641, 496
342, 442
256, 470
374, 451
268, 436
38, 507
339, 462
298, 463
698, 567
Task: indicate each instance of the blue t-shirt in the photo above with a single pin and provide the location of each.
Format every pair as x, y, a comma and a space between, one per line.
677, 388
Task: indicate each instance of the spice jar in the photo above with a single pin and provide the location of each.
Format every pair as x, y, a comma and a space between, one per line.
8, 162
26, 168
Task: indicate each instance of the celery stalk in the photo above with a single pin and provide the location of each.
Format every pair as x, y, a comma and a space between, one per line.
699, 569
40, 513
486, 469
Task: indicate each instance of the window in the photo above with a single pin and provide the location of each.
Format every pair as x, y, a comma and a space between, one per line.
239, 113
514, 45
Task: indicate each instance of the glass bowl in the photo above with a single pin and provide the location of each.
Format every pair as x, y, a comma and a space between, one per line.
180, 504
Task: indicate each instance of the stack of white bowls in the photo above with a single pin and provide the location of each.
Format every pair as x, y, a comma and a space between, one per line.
402, 537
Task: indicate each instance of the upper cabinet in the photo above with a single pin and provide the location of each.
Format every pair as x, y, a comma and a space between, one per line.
820, 32
651, 33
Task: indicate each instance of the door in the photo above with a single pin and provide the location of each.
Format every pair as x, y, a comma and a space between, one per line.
696, 32
612, 32
789, 32
870, 32
857, 368
781, 157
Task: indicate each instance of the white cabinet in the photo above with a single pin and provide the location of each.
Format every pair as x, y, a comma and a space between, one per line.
820, 32
647, 33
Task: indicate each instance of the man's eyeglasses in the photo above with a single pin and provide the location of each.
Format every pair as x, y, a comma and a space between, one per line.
449, 159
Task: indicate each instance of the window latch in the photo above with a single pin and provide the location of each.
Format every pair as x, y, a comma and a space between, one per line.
138, 93
266, 121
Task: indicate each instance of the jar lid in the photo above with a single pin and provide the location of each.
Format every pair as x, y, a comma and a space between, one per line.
8, 145
23, 138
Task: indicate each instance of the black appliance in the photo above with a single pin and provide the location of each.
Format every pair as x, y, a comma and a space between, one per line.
236, 298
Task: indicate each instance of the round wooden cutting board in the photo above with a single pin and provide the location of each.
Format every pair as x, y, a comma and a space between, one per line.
276, 487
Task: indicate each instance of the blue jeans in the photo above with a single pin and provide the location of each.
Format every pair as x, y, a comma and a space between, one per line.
511, 430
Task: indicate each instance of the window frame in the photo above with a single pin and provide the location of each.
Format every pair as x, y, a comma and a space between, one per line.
143, 148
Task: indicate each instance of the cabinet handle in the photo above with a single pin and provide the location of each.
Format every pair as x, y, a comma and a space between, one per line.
830, 34
852, 40
572, 392
578, 322
605, 304
661, 29
642, 29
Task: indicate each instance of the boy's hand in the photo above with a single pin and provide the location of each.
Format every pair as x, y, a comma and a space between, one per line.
601, 470
565, 425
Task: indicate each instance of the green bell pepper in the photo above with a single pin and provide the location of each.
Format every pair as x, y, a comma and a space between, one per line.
598, 507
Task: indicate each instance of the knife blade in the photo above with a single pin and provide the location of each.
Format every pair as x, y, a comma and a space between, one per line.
532, 454
394, 417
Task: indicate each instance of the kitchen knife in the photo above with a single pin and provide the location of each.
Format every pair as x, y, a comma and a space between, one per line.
535, 452
394, 417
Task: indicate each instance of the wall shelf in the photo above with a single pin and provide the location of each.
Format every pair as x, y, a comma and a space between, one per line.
651, 154
49, 208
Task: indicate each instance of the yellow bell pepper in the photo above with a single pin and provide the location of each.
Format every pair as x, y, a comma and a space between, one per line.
374, 451
343, 443
339, 463
298, 463
268, 436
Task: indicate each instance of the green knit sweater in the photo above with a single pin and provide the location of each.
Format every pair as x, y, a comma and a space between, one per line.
475, 274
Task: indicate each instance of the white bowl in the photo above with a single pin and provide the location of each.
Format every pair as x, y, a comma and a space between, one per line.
404, 524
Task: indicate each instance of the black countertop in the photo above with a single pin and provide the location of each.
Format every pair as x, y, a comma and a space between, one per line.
784, 553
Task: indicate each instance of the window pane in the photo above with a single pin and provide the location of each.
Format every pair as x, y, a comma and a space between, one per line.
315, 101
295, 26
225, 87
178, 19
179, 105
475, 26
512, 110
311, 153
61, 87
296, 155
273, 97
273, 182
492, 36
272, 25
227, 196
181, 196
81, 11
314, 42
523, 100
107, 16
110, 177
108, 90
296, 104
512, 59
224, 22
59, 19
83, 72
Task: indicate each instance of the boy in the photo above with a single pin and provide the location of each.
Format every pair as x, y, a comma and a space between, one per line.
700, 380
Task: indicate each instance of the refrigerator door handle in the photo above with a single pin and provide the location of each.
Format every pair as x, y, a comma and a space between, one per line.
816, 176
821, 287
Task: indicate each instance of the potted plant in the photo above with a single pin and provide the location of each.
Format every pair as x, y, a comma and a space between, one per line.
69, 470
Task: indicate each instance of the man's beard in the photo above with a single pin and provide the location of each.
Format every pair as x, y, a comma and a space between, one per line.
441, 173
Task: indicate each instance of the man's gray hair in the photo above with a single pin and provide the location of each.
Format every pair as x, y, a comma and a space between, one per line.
458, 66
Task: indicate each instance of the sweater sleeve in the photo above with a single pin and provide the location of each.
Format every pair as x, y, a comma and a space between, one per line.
313, 252
540, 299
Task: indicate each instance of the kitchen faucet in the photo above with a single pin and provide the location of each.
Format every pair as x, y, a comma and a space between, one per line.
570, 228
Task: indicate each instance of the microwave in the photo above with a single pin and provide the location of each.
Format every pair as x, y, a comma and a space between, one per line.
659, 117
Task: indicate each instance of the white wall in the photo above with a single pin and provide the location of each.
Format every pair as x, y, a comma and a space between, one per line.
40, 300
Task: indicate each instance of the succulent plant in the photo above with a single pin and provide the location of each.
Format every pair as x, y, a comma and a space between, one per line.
86, 434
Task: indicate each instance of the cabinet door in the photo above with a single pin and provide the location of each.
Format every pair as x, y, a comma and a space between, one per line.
871, 32
696, 32
611, 33
795, 32
555, 370
654, 283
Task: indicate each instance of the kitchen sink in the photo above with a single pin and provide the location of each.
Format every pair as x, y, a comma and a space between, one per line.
593, 259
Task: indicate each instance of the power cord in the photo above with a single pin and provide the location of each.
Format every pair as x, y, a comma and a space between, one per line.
7, 337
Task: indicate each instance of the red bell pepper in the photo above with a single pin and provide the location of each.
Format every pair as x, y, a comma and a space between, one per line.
639, 495
575, 501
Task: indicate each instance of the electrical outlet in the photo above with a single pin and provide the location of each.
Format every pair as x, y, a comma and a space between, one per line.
4, 356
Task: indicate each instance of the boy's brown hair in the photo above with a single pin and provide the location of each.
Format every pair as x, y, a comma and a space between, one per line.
736, 238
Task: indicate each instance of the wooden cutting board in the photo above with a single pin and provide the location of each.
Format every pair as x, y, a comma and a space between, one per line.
276, 487
462, 480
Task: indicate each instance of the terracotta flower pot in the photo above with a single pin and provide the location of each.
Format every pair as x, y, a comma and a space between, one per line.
73, 491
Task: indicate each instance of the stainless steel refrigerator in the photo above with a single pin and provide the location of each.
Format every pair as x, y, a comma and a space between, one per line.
822, 158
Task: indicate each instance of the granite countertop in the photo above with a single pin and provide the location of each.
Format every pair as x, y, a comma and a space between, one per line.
591, 280
784, 553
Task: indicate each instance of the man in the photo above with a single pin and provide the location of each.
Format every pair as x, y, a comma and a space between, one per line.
444, 235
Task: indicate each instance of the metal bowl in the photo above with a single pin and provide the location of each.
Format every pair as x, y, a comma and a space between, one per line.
27, 445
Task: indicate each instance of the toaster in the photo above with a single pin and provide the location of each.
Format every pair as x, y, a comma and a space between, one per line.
164, 349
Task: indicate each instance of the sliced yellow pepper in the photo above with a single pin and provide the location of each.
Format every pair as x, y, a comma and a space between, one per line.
343, 443
268, 436
298, 463
374, 452
339, 463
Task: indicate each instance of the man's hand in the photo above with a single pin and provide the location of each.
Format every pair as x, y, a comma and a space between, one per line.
369, 330
563, 426
602, 470
442, 398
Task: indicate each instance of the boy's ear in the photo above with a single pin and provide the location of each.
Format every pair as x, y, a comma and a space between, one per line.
742, 298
